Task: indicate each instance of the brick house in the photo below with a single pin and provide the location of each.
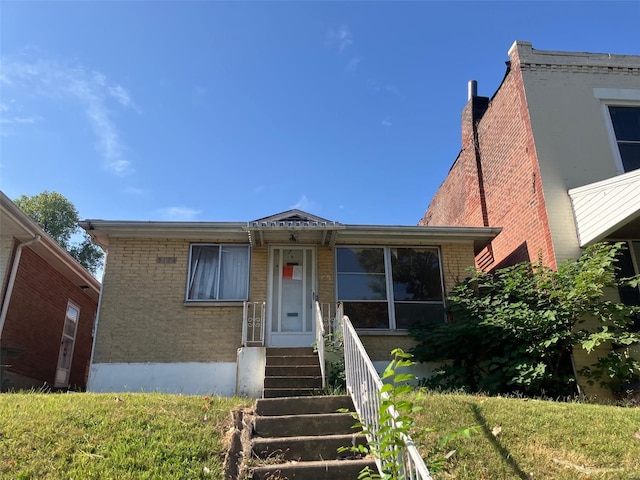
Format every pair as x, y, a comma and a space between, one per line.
177, 309
49, 302
553, 157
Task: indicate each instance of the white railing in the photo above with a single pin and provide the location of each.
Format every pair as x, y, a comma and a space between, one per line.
364, 385
253, 320
327, 318
320, 332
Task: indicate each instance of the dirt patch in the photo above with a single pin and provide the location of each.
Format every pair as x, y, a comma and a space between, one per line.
239, 439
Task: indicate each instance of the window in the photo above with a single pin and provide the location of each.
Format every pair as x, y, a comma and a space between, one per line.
626, 126
628, 266
218, 272
389, 287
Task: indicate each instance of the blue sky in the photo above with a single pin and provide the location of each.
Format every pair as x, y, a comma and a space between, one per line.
231, 111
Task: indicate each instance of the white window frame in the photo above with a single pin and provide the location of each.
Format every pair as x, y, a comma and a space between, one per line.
217, 280
388, 269
616, 97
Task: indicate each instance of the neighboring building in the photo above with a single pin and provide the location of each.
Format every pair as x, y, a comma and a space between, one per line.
553, 158
177, 306
49, 302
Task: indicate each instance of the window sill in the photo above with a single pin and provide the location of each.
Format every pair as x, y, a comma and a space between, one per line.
222, 303
368, 332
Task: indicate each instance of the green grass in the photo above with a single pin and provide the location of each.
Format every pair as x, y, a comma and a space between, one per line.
139, 436
538, 439
113, 436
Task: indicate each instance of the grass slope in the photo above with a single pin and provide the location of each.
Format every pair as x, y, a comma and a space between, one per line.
140, 436
520, 438
113, 436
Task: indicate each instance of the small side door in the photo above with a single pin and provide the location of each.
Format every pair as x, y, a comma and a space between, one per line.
65, 356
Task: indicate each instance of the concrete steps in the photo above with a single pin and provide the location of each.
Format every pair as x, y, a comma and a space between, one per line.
298, 437
291, 372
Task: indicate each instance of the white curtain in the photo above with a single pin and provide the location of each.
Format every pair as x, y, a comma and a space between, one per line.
235, 268
204, 271
216, 277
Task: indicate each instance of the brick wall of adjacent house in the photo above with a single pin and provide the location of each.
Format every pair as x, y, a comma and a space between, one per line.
502, 187
144, 317
35, 319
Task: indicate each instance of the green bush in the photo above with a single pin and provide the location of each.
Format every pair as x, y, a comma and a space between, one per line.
514, 329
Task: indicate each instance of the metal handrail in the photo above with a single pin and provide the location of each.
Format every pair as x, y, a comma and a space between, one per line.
364, 386
253, 320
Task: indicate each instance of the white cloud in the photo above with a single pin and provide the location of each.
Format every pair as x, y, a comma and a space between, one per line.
386, 122
305, 204
135, 191
179, 213
16, 119
353, 64
340, 38
377, 87
55, 81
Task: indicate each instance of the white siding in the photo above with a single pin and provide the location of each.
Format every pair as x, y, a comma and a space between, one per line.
6, 246
602, 207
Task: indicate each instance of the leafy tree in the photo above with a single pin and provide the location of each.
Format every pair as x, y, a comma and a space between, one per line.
57, 216
515, 329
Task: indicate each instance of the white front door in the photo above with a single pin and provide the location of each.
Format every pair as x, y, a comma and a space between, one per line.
65, 355
292, 286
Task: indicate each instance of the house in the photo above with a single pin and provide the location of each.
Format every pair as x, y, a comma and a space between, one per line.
191, 306
553, 157
49, 302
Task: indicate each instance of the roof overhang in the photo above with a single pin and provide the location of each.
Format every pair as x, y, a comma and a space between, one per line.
15, 223
603, 208
303, 232
417, 235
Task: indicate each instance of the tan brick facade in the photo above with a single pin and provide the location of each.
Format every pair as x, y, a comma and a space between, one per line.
144, 317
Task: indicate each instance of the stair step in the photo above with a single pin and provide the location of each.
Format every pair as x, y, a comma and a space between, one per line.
292, 360
288, 351
304, 424
317, 470
292, 370
303, 405
306, 448
290, 392
293, 382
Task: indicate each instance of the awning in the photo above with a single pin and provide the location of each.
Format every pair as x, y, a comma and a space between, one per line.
605, 207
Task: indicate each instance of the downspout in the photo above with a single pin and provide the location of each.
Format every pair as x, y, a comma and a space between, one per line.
9, 292
12, 281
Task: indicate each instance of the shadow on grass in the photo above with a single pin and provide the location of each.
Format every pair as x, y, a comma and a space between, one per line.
504, 453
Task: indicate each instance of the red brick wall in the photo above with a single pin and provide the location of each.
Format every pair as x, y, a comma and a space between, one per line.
35, 319
511, 178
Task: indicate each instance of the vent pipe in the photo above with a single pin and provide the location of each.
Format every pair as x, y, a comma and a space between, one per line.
472, 89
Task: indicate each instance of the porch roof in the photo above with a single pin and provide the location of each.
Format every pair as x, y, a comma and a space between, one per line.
607, 208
